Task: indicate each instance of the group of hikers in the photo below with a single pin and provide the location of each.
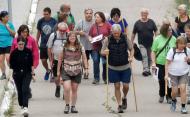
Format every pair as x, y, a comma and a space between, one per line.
68, 46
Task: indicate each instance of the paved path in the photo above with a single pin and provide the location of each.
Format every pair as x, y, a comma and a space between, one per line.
90, 97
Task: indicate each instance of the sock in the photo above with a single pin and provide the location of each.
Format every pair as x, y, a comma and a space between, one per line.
183, 105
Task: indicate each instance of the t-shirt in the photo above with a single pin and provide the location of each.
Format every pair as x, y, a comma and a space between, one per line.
158, 44
145, 32
181, 25
178, 65
57, 47
97, 30
5, 36
84, 26
46, 27
123, 23
118, 68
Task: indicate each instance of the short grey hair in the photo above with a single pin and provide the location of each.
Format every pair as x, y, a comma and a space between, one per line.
182, 7
62, 25
144, 10
116, 27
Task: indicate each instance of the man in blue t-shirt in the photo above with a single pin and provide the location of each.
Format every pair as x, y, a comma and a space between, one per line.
45, 27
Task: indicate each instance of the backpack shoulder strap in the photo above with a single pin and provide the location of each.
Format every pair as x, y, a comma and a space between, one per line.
174, 50
55, 37
185, 51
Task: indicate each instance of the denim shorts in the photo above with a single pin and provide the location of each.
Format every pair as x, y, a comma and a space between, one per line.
119, 76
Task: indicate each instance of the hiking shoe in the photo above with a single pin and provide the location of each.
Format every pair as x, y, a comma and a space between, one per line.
66, 111
183, 110
95, 82
3, 76
120, 109
124, 103
161, 100
173, 106
46, 77
25, 112
57, 91
73, 109
145, 73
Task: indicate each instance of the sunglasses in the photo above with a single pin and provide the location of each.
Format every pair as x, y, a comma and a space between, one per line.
61, 30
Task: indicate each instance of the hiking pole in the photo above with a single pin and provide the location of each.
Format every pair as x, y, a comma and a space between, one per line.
133, 80
107, 81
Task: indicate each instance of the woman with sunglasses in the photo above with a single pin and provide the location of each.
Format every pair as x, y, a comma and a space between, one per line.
7, 32
21, 61
30, 43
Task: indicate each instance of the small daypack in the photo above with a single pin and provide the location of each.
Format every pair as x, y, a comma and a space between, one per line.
185, 52
72, 62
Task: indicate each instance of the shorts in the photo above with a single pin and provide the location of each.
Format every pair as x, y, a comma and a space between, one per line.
178, 80
119, 76
43, 53
76, 79
5, 50
88, 52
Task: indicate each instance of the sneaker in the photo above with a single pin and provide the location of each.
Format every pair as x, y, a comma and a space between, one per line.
66, 111
95, 82
25, 112
161, 100
120, 109
124, 103
73, 109
46, 77
57, 92
3, 76
173, 106
183, 110
145, 73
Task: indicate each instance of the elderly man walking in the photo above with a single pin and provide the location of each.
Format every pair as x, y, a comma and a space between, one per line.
119, 63
146, 29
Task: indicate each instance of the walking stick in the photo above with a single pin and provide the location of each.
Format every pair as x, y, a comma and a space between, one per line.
133, 80
107, 81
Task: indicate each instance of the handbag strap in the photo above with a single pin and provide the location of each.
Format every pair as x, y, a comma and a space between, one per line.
164, 46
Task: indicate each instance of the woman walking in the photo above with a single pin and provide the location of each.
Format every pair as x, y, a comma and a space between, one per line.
21, 61
74, 57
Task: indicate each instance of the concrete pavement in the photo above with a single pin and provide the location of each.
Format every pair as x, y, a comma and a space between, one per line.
90, 97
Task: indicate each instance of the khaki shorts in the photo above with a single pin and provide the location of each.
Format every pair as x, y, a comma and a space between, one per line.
178, 80
76, 79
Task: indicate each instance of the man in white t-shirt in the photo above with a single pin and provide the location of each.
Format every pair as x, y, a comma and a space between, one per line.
55, 47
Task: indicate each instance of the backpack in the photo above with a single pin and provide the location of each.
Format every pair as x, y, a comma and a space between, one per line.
55, 38
72, 62
185, 52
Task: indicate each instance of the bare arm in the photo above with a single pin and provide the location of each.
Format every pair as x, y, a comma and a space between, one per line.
84, 59
38, 36
153, 56
132, 37
50, 55
10, 31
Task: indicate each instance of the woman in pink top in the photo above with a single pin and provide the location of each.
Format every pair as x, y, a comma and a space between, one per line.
30, 44
101, 26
